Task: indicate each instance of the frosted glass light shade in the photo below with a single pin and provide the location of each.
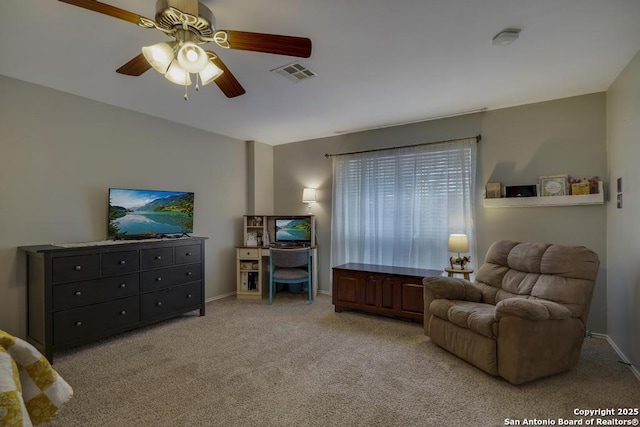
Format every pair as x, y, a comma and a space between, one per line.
309, 195
178, 75
210, 73
192, 57
458, 243
159, 56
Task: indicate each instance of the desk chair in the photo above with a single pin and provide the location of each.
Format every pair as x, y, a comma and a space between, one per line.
289, 266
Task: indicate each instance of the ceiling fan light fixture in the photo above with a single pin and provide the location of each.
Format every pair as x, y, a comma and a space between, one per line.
210, 72
192, 57
178, 75
159, 56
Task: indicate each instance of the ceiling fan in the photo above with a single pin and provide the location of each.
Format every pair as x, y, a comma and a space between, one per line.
191, 24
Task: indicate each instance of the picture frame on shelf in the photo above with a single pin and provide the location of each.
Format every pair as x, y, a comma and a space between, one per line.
493, 190
554, 185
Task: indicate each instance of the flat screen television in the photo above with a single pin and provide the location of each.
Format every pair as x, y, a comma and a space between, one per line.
293, 230
149, 213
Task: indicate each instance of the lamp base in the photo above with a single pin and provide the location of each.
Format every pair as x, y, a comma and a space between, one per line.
459, 261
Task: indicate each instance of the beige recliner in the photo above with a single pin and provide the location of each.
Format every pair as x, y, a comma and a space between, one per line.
523, 317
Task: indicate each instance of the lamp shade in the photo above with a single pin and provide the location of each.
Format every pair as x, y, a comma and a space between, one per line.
159, 56
309, 195
192, 57
210, 73
458, 243
178, 75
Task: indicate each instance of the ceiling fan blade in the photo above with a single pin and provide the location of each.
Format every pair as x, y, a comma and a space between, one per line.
185, 6
135, 67
227, 83
270, 43
106, 9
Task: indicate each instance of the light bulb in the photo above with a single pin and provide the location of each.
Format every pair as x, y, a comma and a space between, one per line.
192, 57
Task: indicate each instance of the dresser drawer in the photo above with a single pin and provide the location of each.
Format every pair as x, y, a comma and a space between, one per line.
248, 253
72, 268
167, 301
188, 254
90, 321
167, 277
120, 262
155, 258
92, 291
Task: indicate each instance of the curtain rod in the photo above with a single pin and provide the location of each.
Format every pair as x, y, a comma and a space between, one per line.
477, 138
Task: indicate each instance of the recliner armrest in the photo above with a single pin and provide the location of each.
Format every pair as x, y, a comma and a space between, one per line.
531, 309
452, 288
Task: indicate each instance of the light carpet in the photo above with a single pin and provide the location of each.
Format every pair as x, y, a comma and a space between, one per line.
291, 364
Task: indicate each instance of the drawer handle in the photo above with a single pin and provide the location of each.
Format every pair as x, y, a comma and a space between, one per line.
78, 323
122, 313
158, 279
159, 303
189, 295
78, 293
188, 254
78, 267
159, 257
122, 285
189, 273
122, 262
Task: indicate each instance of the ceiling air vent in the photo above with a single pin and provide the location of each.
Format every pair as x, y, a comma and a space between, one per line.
295, 72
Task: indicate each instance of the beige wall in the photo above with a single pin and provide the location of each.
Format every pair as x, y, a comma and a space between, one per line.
260, 182
623, 225
60, 153
518, 145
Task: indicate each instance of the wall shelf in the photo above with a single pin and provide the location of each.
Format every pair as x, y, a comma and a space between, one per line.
577, 200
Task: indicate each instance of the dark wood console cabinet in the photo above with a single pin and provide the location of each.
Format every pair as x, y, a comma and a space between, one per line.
394, 291
80, 294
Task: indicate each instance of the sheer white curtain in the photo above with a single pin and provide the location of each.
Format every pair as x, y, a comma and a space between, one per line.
398, 206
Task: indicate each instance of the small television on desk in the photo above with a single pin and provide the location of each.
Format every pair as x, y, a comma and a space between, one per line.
293, 230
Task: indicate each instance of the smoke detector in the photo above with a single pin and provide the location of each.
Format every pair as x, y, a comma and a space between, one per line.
506, 37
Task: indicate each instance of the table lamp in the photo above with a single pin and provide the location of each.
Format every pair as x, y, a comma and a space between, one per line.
459, 243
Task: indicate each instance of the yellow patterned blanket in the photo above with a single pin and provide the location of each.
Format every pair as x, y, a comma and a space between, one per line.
31, 391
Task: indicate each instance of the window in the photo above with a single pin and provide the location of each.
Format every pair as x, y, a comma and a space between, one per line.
398, 206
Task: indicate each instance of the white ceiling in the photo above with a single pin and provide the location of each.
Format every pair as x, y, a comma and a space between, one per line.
379, 62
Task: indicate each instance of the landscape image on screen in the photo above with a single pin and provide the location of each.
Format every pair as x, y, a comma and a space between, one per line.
149, 213
293, 230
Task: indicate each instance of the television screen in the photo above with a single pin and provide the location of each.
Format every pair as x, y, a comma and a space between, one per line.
149, 213
293, 229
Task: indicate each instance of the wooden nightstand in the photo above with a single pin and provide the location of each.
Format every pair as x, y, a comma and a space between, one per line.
451, 271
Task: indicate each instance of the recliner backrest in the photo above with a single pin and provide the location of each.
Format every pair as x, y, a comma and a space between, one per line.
558, 273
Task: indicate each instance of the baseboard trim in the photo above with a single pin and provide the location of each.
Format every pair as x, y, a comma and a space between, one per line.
320, 291
219, 297
619, 352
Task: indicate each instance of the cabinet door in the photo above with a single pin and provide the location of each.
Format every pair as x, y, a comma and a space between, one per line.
346, 286
412, 295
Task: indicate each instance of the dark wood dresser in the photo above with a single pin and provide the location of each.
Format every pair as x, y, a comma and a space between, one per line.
80, 294
394, 291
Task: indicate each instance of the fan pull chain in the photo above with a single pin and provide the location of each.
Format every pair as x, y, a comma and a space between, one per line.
197, 82
186, 94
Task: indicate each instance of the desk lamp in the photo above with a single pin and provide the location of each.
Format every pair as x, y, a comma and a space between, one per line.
459, 243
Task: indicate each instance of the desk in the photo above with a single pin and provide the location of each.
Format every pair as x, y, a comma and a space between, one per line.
252, 269
382, 289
